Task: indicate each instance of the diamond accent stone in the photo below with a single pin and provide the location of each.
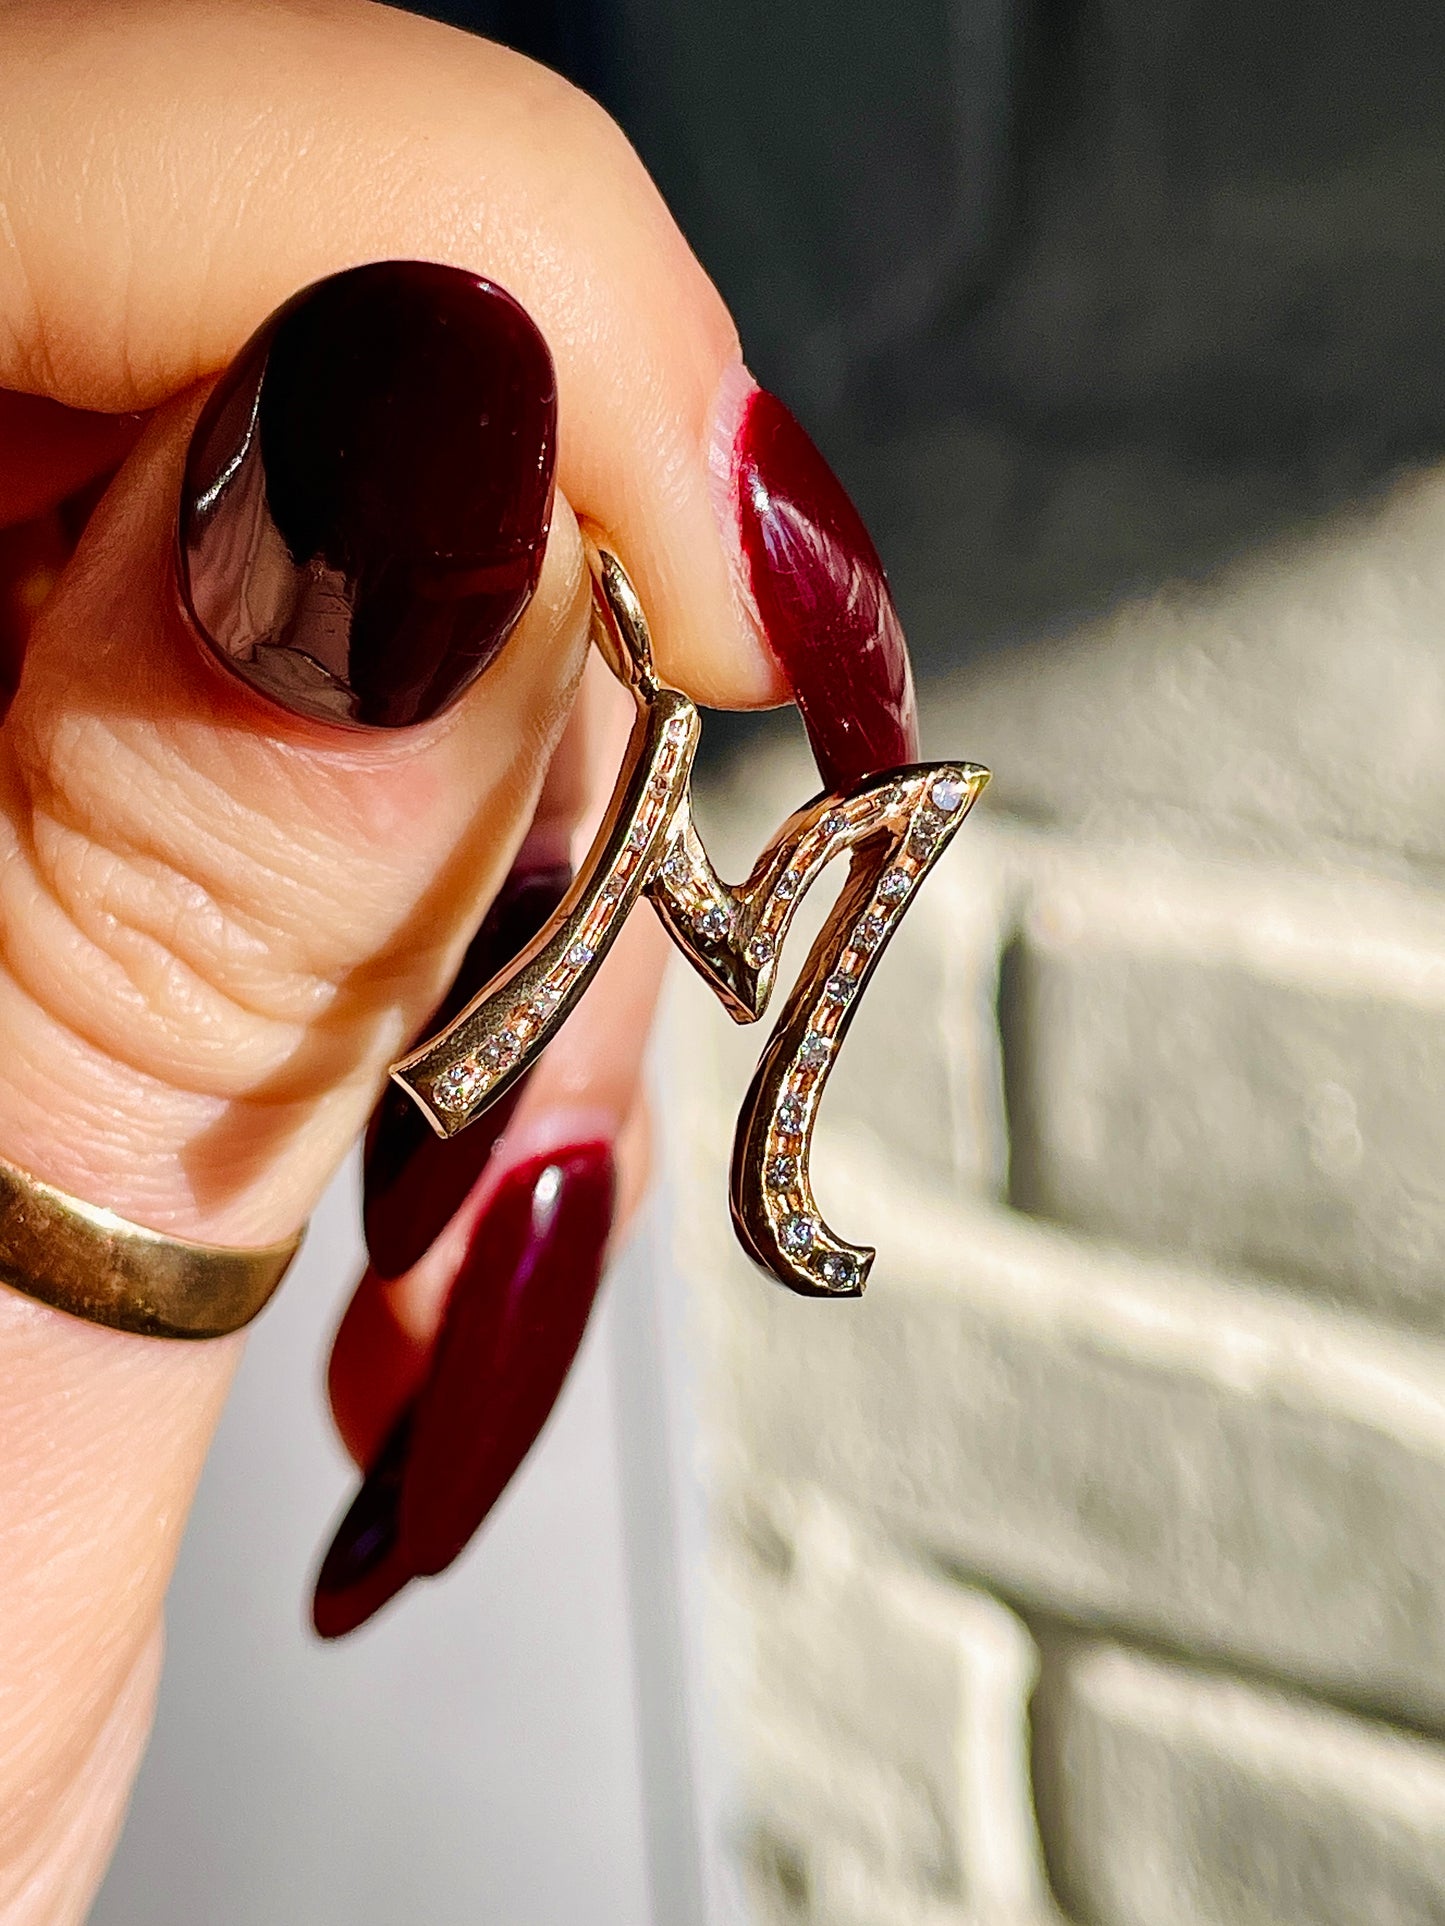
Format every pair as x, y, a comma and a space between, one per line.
677, 868
895, 885
869, 933
798, 1234
791, 1116
760, 950
455, 1088
788, 884
579, 956
840, 986
814, 1051
712, 923
677, 729
501, 1051
781, 1172
839, 1271
947, 795
834, 825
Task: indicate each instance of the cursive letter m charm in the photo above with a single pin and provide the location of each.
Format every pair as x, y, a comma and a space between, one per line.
892, 828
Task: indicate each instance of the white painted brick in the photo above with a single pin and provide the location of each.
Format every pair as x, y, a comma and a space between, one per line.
1240, 1063
1177, 1798
1237, 1063
1115, 1440
882, 1742
1296, 698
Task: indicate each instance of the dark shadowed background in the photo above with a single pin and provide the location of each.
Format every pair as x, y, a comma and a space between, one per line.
1078, 294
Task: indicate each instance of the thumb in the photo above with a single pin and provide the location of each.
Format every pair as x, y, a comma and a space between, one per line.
230, 879
230, 889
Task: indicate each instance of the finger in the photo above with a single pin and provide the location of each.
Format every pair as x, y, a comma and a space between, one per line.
588, 1080
86, 1557
115, 291
217, 926
58, 1869
218, 918
428, 1338
385, 1342
442, 1379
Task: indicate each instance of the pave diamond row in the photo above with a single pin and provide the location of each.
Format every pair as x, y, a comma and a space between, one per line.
461, 1086
926, 809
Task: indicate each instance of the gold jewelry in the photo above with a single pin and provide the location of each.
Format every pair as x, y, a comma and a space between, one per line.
79, 1258
893, 826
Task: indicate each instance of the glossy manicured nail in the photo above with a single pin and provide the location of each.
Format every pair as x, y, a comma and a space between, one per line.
817, 586
368, 492
415, 1182
362, 1568
513, 1323
515, 1315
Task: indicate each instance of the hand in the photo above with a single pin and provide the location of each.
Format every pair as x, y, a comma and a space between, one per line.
221, 913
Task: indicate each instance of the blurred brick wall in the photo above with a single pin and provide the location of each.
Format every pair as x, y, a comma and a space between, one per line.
1096, 1559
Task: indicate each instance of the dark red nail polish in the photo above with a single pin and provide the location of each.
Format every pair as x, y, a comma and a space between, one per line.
368, 492
823, 598
362, 1568
513, 1323
414, 1181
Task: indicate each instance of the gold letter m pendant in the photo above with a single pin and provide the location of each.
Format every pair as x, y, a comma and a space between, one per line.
893, 828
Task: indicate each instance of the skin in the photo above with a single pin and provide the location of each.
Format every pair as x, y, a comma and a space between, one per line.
216, 923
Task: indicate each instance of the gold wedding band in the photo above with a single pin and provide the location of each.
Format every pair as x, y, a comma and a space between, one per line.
79, 1258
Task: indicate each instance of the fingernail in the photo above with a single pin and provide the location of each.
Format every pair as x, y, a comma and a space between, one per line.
816, 585
515, 1314
513, 1323
368, 492
414, 1181
362, 1569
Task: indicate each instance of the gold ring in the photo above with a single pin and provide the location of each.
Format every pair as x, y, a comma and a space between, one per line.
79, 1258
